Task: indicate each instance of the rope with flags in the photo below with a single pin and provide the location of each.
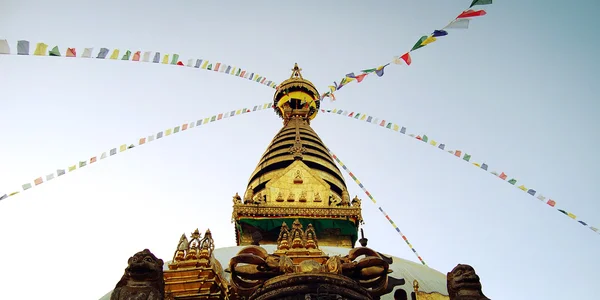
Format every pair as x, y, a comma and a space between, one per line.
141, 141
41, 49
374, 201
460, 22
459, 154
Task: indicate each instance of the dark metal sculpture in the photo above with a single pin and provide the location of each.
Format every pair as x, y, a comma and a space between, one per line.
464, 284
143, 279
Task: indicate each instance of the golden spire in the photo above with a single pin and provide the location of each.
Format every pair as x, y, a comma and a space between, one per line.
296, 97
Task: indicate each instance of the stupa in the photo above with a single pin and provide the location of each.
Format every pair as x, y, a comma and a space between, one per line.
296, 231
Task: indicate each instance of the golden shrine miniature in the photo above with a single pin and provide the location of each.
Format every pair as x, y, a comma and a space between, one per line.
193, 272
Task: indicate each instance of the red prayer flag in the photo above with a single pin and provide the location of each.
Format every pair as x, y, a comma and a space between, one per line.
38, 181
184, 127
360, 77
351, 114
179, 63
406, 58
136, 56
458, 153
217, 67
92, 160
503, 176
142, 141
71, 52
263, 80
418, 137
551, 202
382, 123
471, 13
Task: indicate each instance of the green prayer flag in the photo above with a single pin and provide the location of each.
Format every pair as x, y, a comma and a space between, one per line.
54, 51
425, 138
238, 72
357, 115
389, 126
209, 67
126, 55
176, 129
467, 157
480, 2
512, 181
175, 59
369, 70
419, 43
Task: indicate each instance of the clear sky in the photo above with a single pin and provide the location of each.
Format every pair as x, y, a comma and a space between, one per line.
517, 90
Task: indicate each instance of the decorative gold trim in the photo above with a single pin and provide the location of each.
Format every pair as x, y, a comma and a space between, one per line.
244, 210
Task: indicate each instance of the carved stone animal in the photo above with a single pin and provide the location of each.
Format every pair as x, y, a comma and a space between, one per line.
463, 284
143, 279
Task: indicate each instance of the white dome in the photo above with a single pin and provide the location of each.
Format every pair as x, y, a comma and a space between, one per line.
430, 280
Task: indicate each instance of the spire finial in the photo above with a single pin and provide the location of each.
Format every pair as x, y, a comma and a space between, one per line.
296, 71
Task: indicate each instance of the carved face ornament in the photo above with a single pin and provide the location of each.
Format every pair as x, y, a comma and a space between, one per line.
144, 265
464, 277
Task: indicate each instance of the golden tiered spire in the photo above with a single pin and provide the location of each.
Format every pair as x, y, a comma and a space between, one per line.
296, 178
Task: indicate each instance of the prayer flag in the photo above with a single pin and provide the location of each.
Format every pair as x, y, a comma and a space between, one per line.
71, 52
480, 2
54, 51
4, 48
459, 24
23, 47
471, 13
40, 49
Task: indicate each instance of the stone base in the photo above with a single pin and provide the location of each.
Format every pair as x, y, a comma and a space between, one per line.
309, 286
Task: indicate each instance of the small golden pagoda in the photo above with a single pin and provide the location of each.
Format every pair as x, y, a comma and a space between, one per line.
194, 273
296, 178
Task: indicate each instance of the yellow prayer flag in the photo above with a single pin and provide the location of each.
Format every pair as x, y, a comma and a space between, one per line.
334, 111
232, 70
396, 127
572, 216
168, 132
166, 59
40, 49
13, 193
239, 111
72, 168
363, 117
266, 105
433, 143
123, 147
429, 40
205, 65
522, 187
476, 164
206, 120
115, 54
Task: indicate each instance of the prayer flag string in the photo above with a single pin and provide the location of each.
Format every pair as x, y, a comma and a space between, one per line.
374, 201
459, 154
460, 22
41, 49
141, 141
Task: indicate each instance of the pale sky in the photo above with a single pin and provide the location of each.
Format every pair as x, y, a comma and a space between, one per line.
517, 90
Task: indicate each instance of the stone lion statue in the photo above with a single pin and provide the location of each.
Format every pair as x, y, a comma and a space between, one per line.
463, 284
143, 279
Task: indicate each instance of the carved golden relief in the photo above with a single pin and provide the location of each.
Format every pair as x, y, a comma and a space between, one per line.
299, 183
253, 266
